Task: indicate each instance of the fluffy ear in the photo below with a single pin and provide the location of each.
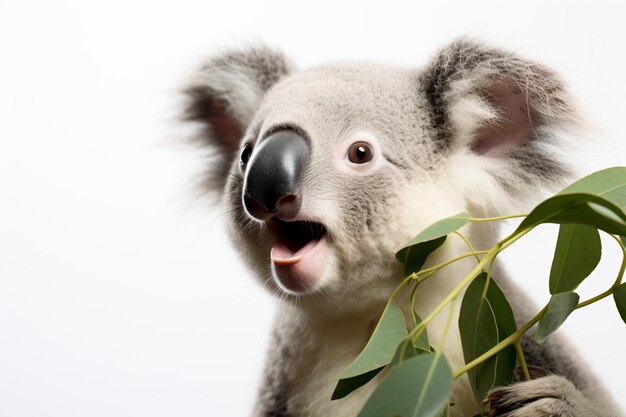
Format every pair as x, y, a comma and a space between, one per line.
223, 97
496, 104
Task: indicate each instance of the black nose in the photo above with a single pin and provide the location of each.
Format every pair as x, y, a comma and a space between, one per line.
272, 185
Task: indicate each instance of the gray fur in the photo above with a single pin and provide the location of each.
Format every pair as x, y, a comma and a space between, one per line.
546, 93
479, 129
545, 397
223, 97
549, 103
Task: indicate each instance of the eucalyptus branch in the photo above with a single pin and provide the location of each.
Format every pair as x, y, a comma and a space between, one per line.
515, 337
593, 204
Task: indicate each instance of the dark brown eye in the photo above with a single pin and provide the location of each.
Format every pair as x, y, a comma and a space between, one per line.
246, 152
360, 152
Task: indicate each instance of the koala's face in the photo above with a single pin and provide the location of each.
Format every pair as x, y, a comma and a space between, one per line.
331, 170
319, 182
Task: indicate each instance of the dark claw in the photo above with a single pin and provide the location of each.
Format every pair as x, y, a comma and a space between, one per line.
497, 406
499, 399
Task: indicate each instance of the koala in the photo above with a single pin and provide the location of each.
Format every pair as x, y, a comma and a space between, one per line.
326, 172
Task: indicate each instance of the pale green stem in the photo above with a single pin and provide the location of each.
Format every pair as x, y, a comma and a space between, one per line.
404, 282
492, 219
398, 288
522, 360
412, 301
488, 280
448, 322
467, 242
441, 265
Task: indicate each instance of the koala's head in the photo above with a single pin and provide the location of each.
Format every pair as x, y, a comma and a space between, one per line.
326, 172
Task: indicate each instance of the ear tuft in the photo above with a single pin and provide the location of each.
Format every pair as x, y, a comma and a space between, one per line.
508, 126
223, 96
494, 101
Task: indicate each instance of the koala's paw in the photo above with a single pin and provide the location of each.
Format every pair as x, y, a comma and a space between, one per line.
546, 396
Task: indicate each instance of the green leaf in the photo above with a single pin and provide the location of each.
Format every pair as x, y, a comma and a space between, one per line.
428, 240
578, 251
346, 386
418, 387
623, 239
389, 332
586, 209
609, 183
407, 350
619, 295
415, 256
559, 308
485, 319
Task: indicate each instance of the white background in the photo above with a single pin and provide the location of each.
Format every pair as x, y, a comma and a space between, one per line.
119, 295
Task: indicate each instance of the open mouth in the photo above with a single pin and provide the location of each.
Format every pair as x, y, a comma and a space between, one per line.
299, 255
294, 239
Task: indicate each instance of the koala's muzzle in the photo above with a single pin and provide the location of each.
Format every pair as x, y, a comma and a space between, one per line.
272, 184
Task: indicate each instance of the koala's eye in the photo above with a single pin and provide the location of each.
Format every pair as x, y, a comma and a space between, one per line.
246, 152
360, 153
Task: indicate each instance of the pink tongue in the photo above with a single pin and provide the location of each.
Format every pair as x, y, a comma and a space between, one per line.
300, 271
282, 255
